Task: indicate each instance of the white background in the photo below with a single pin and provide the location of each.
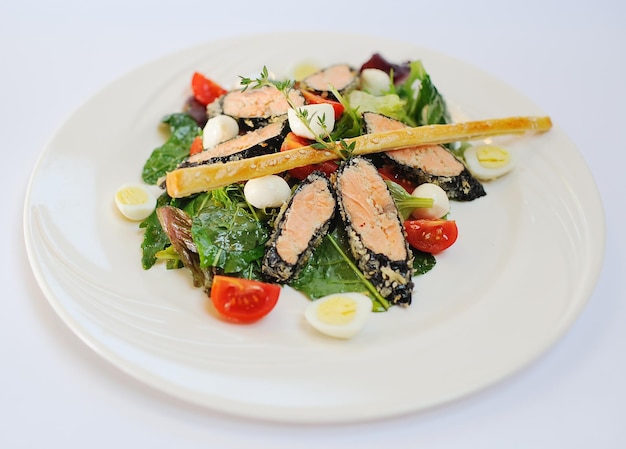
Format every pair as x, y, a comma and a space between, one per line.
568, 57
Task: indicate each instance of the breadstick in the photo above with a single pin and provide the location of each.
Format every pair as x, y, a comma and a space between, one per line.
189, 180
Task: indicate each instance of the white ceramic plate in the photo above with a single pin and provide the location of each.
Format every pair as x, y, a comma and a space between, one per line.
526, 261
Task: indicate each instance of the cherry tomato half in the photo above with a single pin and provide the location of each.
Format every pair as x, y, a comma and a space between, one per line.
243, 300
205, 90
431, 236
196, 146
312, 98
293, 141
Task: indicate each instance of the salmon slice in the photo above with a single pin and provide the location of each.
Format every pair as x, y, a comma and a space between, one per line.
374, 227
342, 77
299, 228
427, 163
266, 139
254, 107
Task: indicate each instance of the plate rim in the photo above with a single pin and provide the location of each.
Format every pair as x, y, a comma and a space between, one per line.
288, 415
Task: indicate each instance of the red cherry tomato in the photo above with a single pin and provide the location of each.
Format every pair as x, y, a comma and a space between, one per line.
243, 300
312, 98
196, 146
293, 141
431, 236
204, 90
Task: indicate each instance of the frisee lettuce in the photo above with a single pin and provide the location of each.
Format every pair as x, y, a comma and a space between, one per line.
424, 104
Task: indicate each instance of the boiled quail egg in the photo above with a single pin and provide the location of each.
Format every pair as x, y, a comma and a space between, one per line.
218, 129
341, 315
304, 69
441, 203
320, 118
267, 191
135, 201
487, 162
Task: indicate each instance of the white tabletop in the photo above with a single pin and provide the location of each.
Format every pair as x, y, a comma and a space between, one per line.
568, 57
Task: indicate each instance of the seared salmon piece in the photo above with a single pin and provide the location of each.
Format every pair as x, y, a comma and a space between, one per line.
299, 228
427, 163
254, 107
342, 77
375, 231
264, 140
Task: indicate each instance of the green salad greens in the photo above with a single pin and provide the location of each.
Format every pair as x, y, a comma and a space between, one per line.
230, 235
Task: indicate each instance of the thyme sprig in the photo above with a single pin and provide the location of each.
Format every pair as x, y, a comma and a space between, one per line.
324, 140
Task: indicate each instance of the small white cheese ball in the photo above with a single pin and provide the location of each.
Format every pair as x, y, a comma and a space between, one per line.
135, 201
375, 81
315, 113
219, 129
441, 203
267, 191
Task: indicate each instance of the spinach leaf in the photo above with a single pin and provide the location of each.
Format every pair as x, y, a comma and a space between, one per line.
229, 237
197, 204
184, 130
330, 270
154, 238
423, 262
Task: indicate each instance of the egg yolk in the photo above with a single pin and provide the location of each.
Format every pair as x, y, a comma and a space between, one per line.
132, 196
303, 70
337, 311
492, 156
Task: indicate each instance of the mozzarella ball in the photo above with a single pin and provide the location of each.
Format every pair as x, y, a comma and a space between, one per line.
135, 201
267, 191
375, 81
341, 315
219, 129
487, 162
441, 203
314, 113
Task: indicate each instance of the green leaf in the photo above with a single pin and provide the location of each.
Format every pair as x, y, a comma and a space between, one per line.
183, 130
330, 270
405, 202
228, 237
154, 238
390, 105
350, 124
425, 105
423, 262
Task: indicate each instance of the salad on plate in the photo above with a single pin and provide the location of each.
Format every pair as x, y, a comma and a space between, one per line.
337, 182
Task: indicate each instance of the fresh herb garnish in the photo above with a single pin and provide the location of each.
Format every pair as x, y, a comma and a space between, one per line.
323, 141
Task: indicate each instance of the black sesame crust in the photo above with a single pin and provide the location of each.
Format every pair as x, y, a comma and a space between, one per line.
462, 187
274, 267
392, 278
269, 145
326, 93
